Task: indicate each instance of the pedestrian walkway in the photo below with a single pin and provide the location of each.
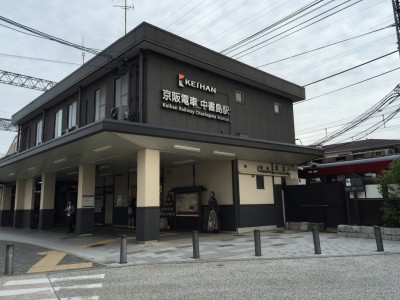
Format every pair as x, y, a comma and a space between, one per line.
103, 246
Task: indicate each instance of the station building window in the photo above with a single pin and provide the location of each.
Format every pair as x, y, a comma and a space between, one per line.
39, 131
121, 91
72, 112
239, 96
58, 124
100, 105
277, 108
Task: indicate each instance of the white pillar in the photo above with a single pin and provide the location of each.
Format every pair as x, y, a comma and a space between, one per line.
86, 193
24, 200
148, 195
47, 198
5, 206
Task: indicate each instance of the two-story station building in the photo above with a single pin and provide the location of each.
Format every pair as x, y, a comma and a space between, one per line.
157, 121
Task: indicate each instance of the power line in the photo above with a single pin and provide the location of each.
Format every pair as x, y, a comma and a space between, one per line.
340, 122
347, 86
304, 8
293, 32
352, 68
387, 100
40, 34
326, 46
38, 59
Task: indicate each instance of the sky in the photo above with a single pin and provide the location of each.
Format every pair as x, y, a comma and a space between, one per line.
219, 24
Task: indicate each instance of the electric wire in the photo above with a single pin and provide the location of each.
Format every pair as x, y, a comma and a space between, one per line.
252, 19
325, 46
347, 86
55, 39
226, 14
293, 32
352, 68
304, 8
387, 100
338, 123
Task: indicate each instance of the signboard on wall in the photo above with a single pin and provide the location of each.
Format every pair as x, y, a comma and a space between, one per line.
189, 104
87, 201
187, 204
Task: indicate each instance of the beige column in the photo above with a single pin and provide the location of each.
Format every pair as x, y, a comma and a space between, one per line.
6, 218
24, 199
148, 195
47, 198
85, 205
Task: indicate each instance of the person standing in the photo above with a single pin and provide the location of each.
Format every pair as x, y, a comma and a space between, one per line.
213, 219
70, 212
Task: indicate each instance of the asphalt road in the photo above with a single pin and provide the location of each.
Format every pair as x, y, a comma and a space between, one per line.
350, 277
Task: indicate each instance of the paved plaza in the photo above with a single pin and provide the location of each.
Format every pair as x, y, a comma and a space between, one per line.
103, 247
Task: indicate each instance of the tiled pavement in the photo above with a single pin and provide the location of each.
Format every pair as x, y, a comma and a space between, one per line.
104, 245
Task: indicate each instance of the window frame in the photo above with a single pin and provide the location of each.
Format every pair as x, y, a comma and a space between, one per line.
99, 105
241, 101
72, 114
39, 132
58, 123
277, 108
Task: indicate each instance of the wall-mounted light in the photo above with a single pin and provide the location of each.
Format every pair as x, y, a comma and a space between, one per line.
58, 161
31, 169
220, 153
104, 167
186, 148
71, 173
11, 174
101, 149
183, 162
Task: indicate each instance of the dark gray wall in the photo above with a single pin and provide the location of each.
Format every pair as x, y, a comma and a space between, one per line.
256, 117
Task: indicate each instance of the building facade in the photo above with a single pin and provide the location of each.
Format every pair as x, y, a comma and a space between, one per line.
157, 122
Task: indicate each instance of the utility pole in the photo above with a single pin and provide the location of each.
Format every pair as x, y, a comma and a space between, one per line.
125, 7
396, 12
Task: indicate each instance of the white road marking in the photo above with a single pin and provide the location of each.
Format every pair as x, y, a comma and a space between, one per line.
99, 276
25, 291
83, 286
28, 281
81, 298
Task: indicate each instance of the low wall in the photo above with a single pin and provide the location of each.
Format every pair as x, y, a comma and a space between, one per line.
367, 232
304, 226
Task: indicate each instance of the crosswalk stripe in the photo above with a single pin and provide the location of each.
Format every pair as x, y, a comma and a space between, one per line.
83, 286
27, 281
81, 298
97, 276
25, 291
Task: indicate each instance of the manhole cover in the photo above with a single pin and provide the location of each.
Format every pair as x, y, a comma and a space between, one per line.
278, 245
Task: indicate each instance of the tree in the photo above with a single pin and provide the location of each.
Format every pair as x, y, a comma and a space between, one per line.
390, 189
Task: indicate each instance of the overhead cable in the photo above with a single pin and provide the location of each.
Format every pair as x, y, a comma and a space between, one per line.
293, 32
347, 86
304, 8
326, 46
352, 68
40, 34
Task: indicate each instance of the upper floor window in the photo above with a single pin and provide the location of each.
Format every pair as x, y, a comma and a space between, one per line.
72, 113
58, 123
239, 97
277, 108
100, 105
121, 91
39, 131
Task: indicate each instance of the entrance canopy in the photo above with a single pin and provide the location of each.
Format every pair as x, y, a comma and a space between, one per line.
113, 146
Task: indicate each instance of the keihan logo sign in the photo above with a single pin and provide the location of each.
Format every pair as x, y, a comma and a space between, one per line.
183, 82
